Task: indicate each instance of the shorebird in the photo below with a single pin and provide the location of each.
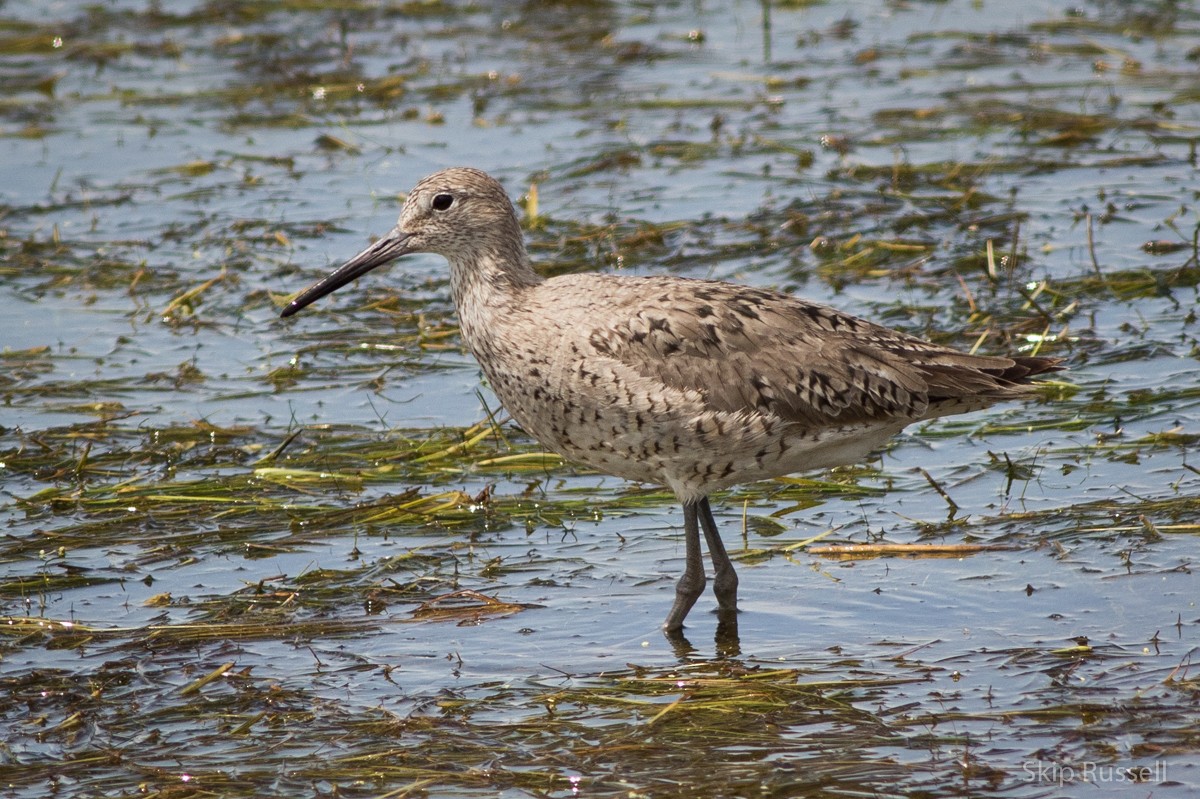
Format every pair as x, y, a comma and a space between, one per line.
697, 385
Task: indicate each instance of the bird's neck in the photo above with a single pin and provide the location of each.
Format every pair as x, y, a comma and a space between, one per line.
486, 281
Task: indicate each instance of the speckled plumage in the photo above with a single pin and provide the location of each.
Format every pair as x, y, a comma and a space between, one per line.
694, 384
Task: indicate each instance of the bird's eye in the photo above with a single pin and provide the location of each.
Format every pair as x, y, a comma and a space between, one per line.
442, 201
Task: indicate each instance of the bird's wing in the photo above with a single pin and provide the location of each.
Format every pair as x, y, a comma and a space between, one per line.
752, 350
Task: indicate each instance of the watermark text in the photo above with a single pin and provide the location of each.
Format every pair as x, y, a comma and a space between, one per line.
1049, 771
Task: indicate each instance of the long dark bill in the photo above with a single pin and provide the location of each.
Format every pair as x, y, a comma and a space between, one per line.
385, 250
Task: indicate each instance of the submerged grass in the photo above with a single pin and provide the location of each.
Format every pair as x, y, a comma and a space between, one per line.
200, 664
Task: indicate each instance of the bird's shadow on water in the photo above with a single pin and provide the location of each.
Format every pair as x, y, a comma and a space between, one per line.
727, 643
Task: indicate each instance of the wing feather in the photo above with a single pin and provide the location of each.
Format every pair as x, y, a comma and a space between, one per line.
752, 350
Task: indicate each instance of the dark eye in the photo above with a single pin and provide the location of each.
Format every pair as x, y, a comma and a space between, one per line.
443, 201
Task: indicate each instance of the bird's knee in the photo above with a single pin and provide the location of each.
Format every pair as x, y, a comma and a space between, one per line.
690, 587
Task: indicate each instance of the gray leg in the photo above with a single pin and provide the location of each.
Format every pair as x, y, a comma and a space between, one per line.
725, 579
691, 584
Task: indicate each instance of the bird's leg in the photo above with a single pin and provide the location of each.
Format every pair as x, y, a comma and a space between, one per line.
691, 584
725, 579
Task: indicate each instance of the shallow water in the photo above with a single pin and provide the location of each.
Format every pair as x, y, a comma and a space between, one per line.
173, 171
